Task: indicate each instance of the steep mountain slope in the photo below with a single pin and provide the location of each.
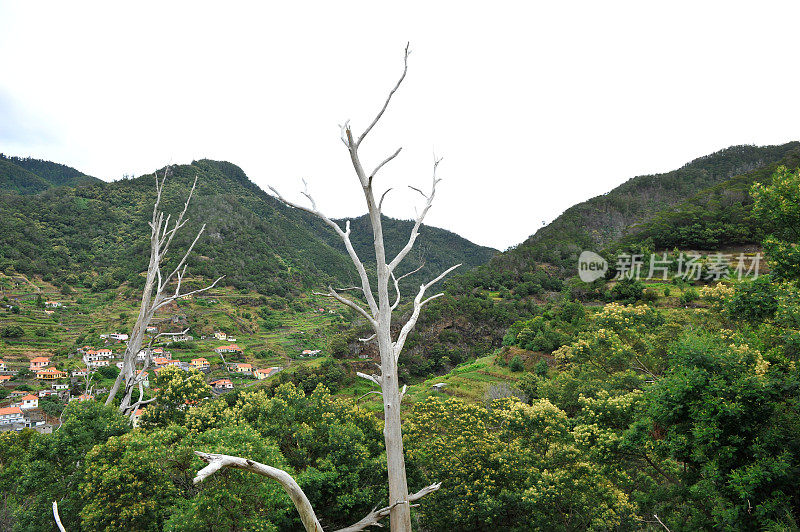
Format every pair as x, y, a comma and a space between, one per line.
97, 235
30, 176
703, 205
435, 251
598, 222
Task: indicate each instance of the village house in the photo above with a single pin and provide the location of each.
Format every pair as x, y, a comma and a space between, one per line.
50, 374
82, 397
136, 416
151, 329
222, 384
232, 348
262, 374
242, 368
39, 363
231, 339
220, 335
57, 386
11, 415
47, 393
29, 401
143, 377
3, 366
200, 363
4, 378
310, 352
52, 304
81, 372
49, 312
160, 361
119, 337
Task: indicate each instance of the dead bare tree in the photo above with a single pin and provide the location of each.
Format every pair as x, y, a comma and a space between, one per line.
378, 313
156, 293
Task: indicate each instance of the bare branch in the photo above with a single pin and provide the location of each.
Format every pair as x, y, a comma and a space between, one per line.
418, 304
372, 378
355, 306
661, 522
218, 461
380, 203
57, 517
386, 104
170, 299
365, 340
420, 217
345, 236
373, 518
389, 158
397, 283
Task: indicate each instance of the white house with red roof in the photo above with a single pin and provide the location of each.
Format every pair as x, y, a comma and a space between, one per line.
3, 366
222, 384
230, 348
39, 363
29, 401
11, 415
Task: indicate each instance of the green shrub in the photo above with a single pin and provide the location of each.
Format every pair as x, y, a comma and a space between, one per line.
516, 364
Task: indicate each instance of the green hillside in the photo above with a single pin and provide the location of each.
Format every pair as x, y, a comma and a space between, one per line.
25, 175
97, 237
703, 205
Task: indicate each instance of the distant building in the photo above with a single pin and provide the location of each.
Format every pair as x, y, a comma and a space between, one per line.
136, 416
231, 339
120, 337
262, 374
311, 352
52, 304
11, 415
39, 362
4, 378
57, 386
220, 335
29, 401
222, 384
242, 368
3, 366
200, 363
80, 372
50, 374
232, 348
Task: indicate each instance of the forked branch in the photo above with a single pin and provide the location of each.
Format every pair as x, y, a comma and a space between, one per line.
307, 516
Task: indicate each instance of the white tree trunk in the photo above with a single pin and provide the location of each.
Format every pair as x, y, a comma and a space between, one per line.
154, 294
379, 313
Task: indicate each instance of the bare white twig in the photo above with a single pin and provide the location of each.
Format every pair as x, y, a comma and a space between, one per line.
388, 99
418, 304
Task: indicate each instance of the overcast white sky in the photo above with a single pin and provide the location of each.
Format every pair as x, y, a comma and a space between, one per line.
534, 106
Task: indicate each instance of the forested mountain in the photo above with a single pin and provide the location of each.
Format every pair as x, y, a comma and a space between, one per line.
703, 205
97, 235
29, 176
714, 181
